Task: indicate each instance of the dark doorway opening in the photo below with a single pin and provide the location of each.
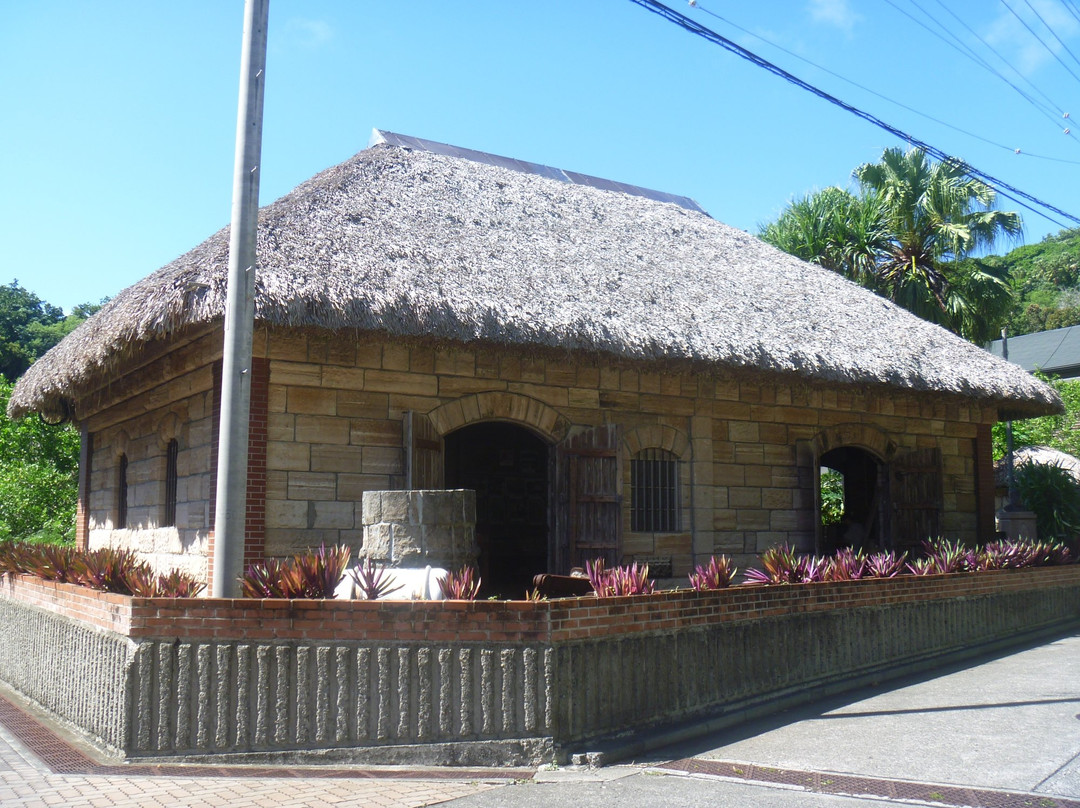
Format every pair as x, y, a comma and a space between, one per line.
860, 524
507, 466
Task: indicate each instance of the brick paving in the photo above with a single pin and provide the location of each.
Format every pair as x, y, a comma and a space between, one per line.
27, 780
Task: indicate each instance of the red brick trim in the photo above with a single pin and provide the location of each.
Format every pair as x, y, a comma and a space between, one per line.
82, 506
255, 518
259, 408
504, 621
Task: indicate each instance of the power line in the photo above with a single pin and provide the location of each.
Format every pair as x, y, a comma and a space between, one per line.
1009, 192
1053, 33
912, 110
1040, 40
1072, 9
1050, 111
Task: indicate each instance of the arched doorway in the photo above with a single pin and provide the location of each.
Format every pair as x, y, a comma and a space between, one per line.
507, 466
860, 479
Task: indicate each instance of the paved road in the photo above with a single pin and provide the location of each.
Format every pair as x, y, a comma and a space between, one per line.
1002, 733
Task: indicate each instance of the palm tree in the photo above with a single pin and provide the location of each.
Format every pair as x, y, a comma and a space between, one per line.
835, 229
938, 215
908, 236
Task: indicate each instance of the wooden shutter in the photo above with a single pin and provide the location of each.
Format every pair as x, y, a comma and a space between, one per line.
423, 452
915, 487
587, 507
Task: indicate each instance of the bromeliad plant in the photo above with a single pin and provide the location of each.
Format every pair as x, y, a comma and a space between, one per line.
372, 581
942, 557
314, 574
464, 584
619, 581
717, 574
846, 565
107, 569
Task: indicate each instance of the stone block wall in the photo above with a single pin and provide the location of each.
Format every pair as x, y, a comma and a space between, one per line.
420, 528
334, 430
337, 404
172, 397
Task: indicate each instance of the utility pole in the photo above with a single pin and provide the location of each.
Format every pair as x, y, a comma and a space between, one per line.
1010, 461
231, 508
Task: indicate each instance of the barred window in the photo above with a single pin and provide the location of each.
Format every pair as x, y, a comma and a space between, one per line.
171, 454
654, 492
121, 492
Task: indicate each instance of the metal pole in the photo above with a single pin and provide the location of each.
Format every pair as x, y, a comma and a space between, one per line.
231, 508
1014, 500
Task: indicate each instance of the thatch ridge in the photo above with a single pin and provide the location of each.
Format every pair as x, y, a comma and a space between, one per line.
414, 244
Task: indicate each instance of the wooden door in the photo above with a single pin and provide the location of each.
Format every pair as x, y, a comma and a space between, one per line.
915, 488
587, 506
423, 452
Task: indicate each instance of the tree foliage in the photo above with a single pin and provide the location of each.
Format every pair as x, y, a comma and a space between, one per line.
1059, 432
29, 327
909, 235
38, 463
1046, 283
38, 477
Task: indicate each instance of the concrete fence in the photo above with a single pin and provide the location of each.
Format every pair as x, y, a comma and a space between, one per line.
487, 682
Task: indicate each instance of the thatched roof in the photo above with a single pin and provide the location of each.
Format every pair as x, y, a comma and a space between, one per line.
412, 243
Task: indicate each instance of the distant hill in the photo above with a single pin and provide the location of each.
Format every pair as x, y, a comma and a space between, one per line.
1046, 281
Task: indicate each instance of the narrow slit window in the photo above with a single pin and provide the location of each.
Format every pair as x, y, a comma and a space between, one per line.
654, 492
171, 454
122, 492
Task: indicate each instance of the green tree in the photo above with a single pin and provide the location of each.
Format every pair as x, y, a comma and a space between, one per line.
38, 477
909, 235
1061, 432
29, 327
21, 312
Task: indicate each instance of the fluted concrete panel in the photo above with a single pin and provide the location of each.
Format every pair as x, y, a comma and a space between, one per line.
78, 673
167, 698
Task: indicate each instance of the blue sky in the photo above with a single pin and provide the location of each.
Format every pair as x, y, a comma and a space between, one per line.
118, 118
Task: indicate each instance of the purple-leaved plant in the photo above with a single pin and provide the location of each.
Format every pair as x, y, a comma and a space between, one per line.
463, 584
372, 581
717, 574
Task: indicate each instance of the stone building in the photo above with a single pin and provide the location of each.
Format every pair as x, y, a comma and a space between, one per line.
614, 372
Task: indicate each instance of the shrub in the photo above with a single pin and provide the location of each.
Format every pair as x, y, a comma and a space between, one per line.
263, 579
619, 581
717, 574
109, 569
1053, 495
313, 574
372, 580
145, 583
846, 565
464, 584
782, 565
885, 564
944, 556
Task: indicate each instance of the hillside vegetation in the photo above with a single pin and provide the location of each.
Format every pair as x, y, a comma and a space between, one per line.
1045, 278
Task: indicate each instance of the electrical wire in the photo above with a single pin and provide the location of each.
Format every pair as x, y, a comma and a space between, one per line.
1002, 188
1053, 33
894, 102
1051, 111
1071, 7
1040, 40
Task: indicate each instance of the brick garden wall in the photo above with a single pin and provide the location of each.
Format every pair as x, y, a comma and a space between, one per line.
483, 682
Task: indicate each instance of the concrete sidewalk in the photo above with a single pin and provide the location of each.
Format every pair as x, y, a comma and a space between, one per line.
1002, 732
